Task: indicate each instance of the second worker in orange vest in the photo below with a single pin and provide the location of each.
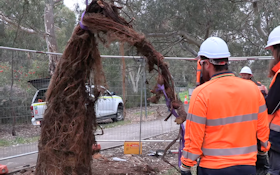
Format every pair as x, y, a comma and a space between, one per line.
226, 116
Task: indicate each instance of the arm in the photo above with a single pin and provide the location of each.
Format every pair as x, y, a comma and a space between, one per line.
262, 126
195, 130
273, 97
265, 89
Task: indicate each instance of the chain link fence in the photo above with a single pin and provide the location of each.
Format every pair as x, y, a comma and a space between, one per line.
128, 79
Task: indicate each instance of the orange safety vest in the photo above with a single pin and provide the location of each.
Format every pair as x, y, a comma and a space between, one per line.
224, 117
198, 72
274, 118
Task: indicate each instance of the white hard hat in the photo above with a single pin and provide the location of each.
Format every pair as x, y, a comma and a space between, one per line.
246, 70
274, 37
214, 48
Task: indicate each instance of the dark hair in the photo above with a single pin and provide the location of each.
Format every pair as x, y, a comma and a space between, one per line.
275, 60
218, 67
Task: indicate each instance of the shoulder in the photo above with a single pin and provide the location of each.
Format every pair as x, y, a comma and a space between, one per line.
278, 75
277, 78
201, 91
202, 87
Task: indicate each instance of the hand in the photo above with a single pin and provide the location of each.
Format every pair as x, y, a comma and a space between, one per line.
185, 170
262, 161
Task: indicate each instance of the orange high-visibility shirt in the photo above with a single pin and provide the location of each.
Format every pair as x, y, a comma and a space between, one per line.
226, 116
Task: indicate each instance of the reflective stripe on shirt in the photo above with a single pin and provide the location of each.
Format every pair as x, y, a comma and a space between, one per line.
229, 151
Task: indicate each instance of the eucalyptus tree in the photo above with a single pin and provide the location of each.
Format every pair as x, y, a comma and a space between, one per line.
42, 25
177, 28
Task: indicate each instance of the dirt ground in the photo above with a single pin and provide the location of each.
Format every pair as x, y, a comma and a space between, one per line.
103, 163
137, 164
23, 131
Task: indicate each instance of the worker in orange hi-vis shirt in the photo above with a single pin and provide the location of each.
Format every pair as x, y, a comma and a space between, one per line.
273, 101
226, 117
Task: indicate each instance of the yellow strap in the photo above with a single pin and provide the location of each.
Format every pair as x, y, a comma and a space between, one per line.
223, 75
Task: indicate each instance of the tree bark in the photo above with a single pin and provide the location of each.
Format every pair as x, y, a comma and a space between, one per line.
187, 48
50, 37
135, 77
257, 22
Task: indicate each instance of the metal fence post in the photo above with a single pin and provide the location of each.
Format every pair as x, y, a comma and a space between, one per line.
145, 89
141, 105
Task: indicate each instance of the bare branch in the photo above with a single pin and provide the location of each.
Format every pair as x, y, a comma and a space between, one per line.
56, 2
170, 46
182, 34
16, 26
158, 35
207, 30
257, 22
189, 39
240, 1
187, 48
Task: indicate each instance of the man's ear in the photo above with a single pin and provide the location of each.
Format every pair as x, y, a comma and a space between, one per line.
207, 65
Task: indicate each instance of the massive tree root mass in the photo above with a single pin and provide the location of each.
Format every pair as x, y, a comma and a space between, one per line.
69, 120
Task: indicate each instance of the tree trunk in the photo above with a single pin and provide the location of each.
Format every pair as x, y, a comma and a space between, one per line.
50, 35
135, 77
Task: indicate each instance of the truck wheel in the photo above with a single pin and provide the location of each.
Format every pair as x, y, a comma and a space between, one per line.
119, 114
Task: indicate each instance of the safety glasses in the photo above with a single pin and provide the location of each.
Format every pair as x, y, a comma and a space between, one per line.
201, 62
213, 62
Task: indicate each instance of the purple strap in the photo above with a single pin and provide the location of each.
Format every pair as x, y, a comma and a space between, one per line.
182, 140
81, 25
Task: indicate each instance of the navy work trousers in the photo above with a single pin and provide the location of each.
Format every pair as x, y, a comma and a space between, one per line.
233, 170
274, 162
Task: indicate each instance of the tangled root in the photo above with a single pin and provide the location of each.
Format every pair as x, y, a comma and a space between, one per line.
69, 120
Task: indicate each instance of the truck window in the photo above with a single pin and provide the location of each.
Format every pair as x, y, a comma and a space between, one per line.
41, 96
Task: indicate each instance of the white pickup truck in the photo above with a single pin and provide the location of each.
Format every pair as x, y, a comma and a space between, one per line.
108, 105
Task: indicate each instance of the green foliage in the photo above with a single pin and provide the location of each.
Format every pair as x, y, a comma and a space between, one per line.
234, 21
5, 73
183, 94
4, 142
65, 20
30, 14
16, 67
